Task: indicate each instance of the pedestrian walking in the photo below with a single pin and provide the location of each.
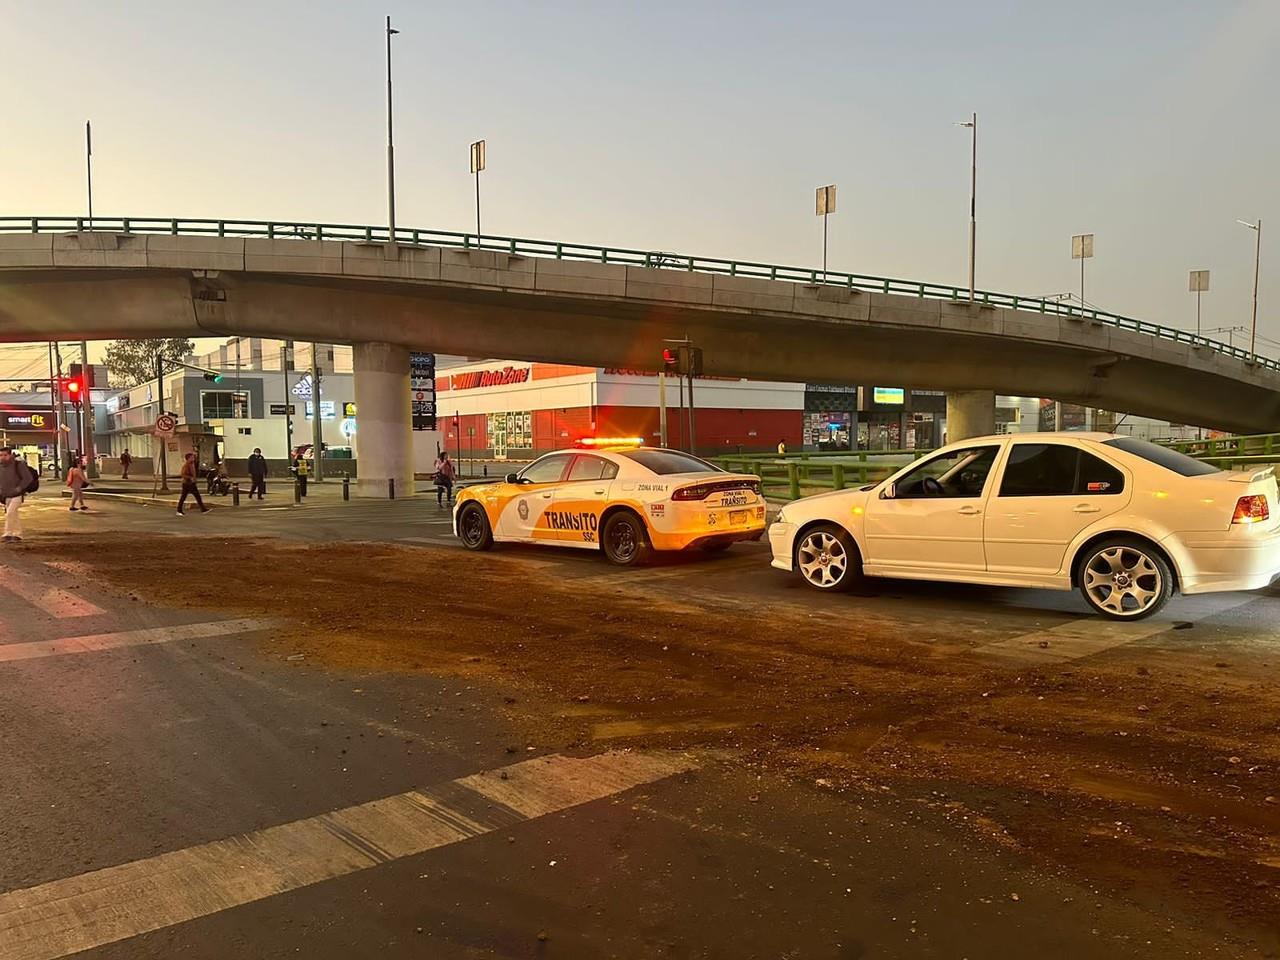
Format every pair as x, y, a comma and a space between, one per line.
16, 481
303, 471
444, 478
77, 480
126, 461
782, 448
190, 470
257, 473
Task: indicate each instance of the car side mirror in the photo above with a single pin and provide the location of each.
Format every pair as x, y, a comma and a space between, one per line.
512, 478
889, 492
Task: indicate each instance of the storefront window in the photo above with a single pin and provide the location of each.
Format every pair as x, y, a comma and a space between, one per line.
224, 405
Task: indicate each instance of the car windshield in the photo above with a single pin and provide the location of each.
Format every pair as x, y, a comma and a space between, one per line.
1179, 463
663, 462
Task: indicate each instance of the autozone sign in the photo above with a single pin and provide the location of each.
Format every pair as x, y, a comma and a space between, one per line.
488, 378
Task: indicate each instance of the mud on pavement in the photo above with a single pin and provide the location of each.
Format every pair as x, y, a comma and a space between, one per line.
1159, 782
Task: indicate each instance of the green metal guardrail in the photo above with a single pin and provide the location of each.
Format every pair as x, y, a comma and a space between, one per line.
619, 255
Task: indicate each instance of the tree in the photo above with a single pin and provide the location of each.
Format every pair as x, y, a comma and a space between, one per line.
131, 362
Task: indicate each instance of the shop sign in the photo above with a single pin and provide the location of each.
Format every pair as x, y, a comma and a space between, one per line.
348, 408
488, 378
37, 420
422, 390
890, 395
280, 409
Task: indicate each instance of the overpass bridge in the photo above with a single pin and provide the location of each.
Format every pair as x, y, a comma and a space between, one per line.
599, 306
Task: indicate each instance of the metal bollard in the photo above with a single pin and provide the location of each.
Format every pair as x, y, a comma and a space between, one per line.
297, 491
235, 494
346, 488
391, 488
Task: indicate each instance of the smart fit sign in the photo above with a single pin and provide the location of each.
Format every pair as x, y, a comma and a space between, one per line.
488, 378
34, 420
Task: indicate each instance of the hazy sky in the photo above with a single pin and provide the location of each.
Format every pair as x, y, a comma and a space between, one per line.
700, 127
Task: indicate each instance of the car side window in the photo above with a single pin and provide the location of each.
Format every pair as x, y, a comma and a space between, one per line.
1057, 470
957, 474
592, 468
547, 470
1097, 477
1040, 470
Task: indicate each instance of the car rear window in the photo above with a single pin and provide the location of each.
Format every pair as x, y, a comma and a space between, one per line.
663, 462
1179, 463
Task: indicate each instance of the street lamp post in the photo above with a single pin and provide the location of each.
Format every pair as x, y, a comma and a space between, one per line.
88, 162
391, 150
477, 164
1257, 261
972, 124
824, 206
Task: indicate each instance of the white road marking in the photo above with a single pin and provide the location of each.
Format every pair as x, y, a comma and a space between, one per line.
1083, 638
55, 602
116, 903
93, 643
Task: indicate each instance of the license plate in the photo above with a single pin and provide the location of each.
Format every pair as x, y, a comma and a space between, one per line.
738, 516
733, 500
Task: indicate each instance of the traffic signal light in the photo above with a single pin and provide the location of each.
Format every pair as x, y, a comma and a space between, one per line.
213, 377
670, 361
74, 389
683, 360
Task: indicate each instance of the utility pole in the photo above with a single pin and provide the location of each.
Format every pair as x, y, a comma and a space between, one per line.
1257, 262
164, 464
1082, 250
286, 361
64, 464
391, 150
86, 436
317, 433
57, 410
1199, 282
88, 159
477, 164
824, 206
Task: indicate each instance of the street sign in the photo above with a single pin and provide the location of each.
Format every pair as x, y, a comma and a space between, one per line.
1199, 281
825, 200
422, 387
348, 408
165, 425
283, 409
1082, 246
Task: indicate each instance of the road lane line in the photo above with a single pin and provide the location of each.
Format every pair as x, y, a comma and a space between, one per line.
96, 642
53, 601
1083, 638
116, 903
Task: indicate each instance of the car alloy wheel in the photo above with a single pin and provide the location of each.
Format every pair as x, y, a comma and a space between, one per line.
824, 560
1124, 581
473, 528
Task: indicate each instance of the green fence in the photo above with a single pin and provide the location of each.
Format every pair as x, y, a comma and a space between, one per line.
283, 230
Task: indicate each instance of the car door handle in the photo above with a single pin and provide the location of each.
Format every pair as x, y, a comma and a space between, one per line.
970, 511
600, 492
1085, 508
546, 496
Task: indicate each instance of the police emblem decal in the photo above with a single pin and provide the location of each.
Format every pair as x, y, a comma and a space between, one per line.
523, 509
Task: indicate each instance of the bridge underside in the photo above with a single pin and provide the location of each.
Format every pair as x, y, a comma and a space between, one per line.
616, 332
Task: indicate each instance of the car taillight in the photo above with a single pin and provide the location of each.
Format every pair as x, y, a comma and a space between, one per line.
1252, 509
691, 493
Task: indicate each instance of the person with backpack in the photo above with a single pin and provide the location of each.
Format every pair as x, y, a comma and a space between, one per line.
444, 478
16, 481
77, 480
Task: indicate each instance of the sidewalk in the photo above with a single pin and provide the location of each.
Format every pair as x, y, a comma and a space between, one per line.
279, 492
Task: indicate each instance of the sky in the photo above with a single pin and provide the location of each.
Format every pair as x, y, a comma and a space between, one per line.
699, 127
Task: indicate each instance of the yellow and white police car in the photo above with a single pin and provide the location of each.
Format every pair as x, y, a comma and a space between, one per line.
615, 496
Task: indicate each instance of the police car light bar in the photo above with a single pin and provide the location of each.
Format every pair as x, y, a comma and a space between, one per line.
611, 442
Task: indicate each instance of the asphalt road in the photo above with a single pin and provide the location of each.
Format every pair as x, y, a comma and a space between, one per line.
171, 791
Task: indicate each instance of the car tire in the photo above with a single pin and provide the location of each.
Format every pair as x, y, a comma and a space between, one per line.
473, 528
624, 540
1124, 578
826, 558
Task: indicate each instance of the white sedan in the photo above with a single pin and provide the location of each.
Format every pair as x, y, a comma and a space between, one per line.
1125, 521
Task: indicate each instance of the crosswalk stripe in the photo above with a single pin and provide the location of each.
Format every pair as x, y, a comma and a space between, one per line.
1083, 638
36, 649
53, 601
116, 903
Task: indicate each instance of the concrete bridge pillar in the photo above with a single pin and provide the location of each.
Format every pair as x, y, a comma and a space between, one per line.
384, 438
970, 413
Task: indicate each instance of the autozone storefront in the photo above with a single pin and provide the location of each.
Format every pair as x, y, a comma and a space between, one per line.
519, 410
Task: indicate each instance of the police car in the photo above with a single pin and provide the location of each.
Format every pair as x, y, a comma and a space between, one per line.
617, 497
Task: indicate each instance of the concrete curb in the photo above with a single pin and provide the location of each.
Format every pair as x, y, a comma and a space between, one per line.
170, 503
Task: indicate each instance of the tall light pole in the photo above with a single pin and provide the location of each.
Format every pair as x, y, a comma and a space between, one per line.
824, 206
1198, 283
477, 164
1257, 261
391, 150
88, 162
972, 124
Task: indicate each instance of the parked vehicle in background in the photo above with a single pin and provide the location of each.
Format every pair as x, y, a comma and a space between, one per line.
1126, 522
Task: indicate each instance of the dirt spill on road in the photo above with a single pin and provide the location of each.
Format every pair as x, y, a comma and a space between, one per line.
1156, 782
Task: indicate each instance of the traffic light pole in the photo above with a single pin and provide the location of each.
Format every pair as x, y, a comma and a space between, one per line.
662, 408
317, 429
286, 358
693, 430
163, 441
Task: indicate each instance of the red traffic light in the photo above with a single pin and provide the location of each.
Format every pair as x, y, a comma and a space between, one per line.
670, 359
73, 387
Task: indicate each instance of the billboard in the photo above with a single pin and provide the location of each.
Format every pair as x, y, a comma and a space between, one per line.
422, 390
